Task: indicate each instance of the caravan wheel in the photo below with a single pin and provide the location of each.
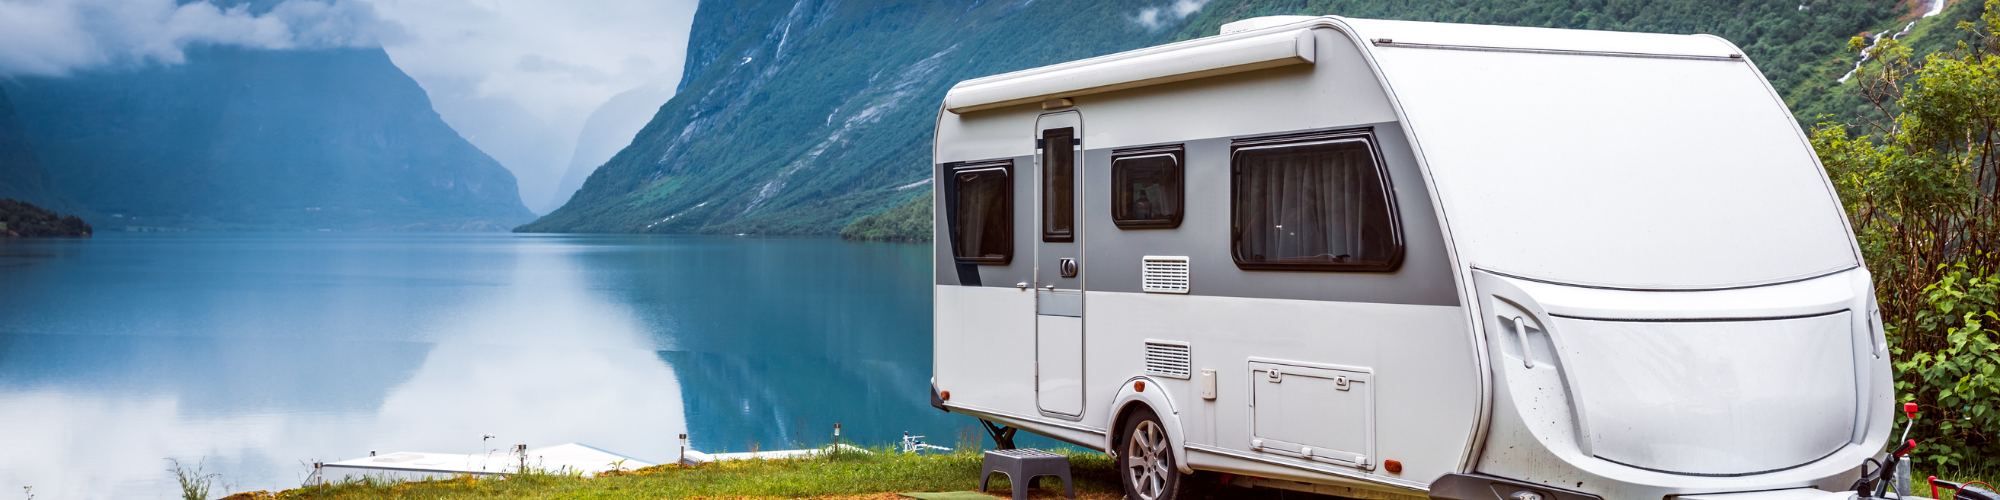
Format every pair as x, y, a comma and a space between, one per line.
1146, 460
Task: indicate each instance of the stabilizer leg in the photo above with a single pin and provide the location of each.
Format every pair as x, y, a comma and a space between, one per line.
1003, 436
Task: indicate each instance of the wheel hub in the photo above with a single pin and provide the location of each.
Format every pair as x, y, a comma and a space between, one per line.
1146, 455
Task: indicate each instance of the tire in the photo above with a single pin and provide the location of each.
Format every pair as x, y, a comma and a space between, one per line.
1146, 466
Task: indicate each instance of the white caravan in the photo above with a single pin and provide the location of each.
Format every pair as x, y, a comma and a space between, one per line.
1386, 259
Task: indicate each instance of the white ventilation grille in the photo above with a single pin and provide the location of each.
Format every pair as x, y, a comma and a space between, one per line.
1169, 359
1164, 274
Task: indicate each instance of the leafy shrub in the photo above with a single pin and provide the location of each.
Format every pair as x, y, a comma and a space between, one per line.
1963, 377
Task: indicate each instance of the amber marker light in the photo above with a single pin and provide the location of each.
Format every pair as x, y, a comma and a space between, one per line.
946, 395
1139, 386
1394, 466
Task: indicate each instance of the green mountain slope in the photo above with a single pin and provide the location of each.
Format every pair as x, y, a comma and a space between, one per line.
1786, 38
259, 139
799, 117
908, 221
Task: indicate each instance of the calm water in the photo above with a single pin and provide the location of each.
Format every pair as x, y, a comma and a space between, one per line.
264, 352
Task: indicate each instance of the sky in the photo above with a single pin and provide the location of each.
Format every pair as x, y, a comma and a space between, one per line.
517, 78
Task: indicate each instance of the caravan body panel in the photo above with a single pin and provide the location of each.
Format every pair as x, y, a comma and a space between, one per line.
1594, 234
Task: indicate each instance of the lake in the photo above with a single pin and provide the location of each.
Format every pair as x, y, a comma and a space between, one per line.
262, 353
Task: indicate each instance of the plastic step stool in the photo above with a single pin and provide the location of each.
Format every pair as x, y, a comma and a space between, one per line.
1022, 466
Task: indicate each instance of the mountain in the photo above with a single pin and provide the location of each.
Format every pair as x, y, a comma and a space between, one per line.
794, 118
799, 116
22, 176
1801, 46
241, 138
910, 221
608, 129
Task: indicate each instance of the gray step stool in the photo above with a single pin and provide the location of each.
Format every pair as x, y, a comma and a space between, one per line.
1022, 466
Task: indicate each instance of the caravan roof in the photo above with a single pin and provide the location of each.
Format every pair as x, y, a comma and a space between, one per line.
1625, 160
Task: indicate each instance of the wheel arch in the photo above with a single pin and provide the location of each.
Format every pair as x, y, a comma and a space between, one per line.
1154, 398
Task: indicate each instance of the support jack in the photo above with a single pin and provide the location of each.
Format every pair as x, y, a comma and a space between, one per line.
1003, 436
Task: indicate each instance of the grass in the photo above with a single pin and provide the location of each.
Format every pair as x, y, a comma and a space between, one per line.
194, 483
881, 475
1919, 487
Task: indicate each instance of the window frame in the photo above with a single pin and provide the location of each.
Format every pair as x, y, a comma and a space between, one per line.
1179, 154
1365, 136
952, 171
1047, 212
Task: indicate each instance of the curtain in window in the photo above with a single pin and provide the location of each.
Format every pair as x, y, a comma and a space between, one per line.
1319, 204
1146, 191
983, 225
1059, 185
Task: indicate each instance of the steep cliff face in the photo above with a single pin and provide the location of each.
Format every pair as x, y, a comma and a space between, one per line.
797, 116
240, 138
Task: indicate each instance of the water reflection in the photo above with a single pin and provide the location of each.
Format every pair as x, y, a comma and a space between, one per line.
262, 351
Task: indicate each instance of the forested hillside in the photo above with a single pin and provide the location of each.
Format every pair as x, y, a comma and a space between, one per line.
908, 221
797, 117
238, 138
1800, 46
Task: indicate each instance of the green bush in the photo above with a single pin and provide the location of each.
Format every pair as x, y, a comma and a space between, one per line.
1963, 378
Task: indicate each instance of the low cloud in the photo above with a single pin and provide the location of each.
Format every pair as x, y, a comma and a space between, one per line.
56, 37
520, 78
1155, 18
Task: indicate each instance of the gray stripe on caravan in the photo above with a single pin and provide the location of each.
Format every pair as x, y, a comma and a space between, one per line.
1113, 256
1114, 259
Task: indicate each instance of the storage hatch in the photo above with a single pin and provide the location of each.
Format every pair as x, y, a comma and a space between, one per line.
1315, 412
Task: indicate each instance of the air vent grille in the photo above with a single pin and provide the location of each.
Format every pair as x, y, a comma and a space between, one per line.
1169, 359
1164, 274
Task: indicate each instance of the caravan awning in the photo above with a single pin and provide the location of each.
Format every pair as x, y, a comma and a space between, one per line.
1188, 60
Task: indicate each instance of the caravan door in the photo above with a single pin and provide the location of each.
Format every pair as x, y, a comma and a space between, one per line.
1059, 264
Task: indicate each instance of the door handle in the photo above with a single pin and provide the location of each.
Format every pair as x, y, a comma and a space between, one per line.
1067, 266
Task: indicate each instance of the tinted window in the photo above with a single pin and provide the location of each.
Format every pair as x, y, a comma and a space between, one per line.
1058, 185
982, 219
1315, 202
1146, 188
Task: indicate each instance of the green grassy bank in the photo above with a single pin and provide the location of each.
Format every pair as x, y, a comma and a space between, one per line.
882, 473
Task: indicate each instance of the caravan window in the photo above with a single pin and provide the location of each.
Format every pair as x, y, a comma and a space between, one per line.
1146, 187
1059, 185
1313, 202
982, 212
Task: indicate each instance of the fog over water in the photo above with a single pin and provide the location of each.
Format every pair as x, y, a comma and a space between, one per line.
263, 352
